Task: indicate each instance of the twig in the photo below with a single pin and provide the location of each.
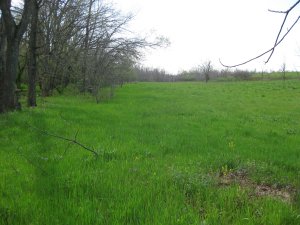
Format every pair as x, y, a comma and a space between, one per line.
281, 27
277, 40
73, 141
287, 11
69, 144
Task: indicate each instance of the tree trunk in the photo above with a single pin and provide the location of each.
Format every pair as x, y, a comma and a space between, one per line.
12, 34
32, 65
10, 99
3, 44
86, 46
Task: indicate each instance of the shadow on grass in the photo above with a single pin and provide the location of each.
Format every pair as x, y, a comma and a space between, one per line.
42, 157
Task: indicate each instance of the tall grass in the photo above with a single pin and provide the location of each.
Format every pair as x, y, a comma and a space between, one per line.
162, 149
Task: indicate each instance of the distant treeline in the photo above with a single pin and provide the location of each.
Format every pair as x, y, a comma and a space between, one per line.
156, 75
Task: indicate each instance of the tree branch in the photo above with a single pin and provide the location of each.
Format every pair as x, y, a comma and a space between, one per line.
280, 30
287, 11
278, 40
266, 52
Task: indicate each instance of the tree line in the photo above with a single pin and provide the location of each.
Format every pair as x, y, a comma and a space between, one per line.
203, 72
49, 44
206, 72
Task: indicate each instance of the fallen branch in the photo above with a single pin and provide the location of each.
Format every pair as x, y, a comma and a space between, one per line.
72, 141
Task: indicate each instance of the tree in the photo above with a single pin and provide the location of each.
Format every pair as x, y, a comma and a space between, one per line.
58, 41
32, 58
283, 71
206, 68
86, 44
109, 49
11, 35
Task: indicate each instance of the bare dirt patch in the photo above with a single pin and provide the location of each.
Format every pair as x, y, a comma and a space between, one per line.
240, 177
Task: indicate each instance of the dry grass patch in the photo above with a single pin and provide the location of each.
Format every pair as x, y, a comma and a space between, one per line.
240, 177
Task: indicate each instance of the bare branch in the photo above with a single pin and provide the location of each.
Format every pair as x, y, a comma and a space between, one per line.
287, 11
282, 25
273, 49
278, 40
266, 52
275, 11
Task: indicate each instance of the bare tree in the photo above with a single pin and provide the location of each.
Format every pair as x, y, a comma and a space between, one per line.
111, 48
87, 42
206, 69
283, 71
58, 40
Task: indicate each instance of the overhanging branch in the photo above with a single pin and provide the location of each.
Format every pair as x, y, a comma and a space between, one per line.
266, 52
278, 40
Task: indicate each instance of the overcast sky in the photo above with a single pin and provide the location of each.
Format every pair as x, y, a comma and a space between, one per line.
201, 30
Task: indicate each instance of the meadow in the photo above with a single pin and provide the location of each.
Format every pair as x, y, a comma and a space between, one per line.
169, 153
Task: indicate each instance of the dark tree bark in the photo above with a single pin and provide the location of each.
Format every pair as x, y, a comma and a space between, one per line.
3, 44
86, 46
12, 33
32, 64
10, 97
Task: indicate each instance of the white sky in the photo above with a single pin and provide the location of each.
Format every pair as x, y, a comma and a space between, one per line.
201, 30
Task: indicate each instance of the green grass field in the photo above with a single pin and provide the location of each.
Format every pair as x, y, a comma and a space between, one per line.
169, 153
